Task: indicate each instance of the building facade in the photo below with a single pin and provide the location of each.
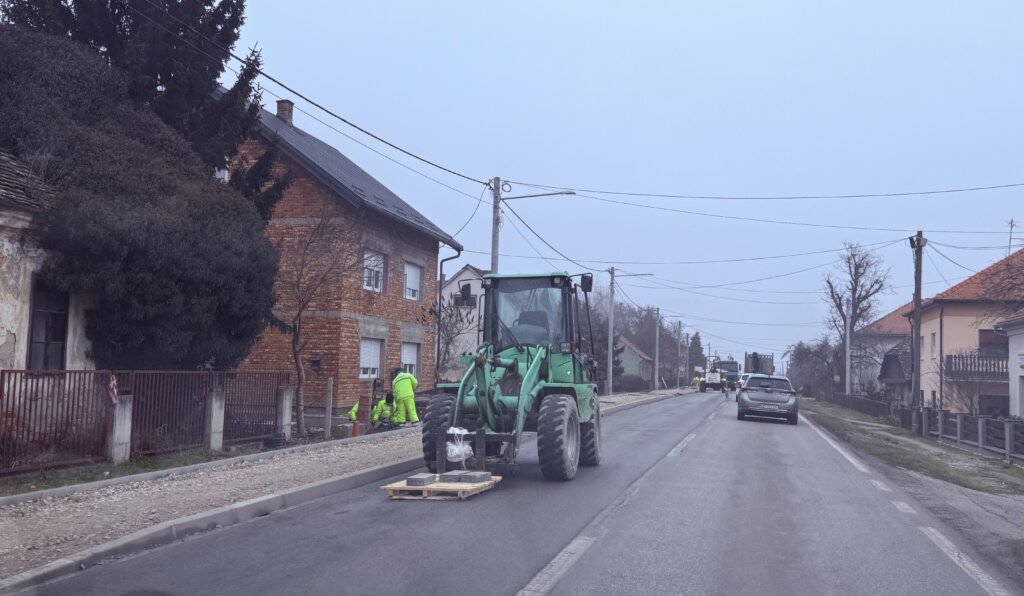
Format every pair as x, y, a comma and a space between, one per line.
869, 347
463, 291
41, 327
375, 310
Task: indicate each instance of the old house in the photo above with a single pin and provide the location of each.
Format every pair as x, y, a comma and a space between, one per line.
963, 356
41, 327
376, 311
869, 346
635, 362
463, 290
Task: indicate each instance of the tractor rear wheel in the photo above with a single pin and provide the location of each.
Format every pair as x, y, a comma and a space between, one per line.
590, 438
558, 437
436, 420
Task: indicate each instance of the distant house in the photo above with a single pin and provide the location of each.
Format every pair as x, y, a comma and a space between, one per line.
963, 356
468, 282
870, 345
363, 323
635, 361
895, 373
1013, 327
41, 327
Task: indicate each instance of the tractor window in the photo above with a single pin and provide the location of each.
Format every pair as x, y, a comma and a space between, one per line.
531, 309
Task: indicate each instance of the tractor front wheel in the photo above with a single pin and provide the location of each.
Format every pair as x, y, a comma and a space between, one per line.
558, 437
590, 438
436, 420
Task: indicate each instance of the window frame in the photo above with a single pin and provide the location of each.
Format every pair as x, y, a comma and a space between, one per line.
419, 289
375, 374
405, 365
34, 308
381, 286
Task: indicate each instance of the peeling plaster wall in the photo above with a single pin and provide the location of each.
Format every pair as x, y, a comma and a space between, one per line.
20, 258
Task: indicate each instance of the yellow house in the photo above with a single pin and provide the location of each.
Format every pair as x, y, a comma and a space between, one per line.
963, 356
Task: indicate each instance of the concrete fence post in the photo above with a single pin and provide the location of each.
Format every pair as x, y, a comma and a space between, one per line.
329, 408
283, 426
981, 433
941, 422
960, 426
1008, 433
925, 415
214, 428
119, 441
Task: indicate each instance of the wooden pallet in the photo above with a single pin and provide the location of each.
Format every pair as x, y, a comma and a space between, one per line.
439, 491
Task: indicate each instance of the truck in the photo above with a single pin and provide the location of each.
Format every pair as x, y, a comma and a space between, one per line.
757, 363
731, 369
533, 372
720, 374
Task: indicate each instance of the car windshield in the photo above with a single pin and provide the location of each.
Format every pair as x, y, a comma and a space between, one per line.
529, 310
767, 383
729, 366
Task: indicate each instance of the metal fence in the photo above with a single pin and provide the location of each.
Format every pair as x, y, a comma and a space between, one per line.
250, 404
871, 407
995, 435
169, 409
53, 418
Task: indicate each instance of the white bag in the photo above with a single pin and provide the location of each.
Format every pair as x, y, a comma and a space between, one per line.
458, 450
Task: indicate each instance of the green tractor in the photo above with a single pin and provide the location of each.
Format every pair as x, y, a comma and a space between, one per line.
533, 372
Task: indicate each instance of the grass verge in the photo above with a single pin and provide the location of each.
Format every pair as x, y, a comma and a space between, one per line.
898, 447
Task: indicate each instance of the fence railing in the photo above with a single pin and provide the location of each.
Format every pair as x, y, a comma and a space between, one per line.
973, 367
871, 407
53, 418
996, 435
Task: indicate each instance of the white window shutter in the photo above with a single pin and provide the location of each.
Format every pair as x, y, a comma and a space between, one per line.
413, 275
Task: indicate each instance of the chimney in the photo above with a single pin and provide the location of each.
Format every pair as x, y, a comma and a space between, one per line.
284, 110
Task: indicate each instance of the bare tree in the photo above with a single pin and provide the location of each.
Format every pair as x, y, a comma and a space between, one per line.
859, 277
325, 250
455, 321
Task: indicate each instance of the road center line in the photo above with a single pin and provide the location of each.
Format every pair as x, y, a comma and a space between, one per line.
850, 458
986, 581
903, 507
881, 486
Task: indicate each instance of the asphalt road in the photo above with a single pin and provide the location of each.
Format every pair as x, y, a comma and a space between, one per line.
689, 500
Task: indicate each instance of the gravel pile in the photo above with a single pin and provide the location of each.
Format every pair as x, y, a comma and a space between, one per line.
37, 532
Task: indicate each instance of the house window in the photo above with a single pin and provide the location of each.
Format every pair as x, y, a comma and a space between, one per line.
469, 302
993, 344
933, 344
410, 357
373, 271
920, 351
413, 276
49, 327
369, 358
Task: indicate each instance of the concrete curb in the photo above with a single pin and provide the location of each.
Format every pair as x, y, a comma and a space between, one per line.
63, 491
177, 529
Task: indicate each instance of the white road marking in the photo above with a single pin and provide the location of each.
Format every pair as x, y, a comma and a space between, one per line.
903, 507
853, 460
986, 581
881, 486
679, 448
547, 578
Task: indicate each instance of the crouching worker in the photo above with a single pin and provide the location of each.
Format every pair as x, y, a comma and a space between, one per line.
383, 413
404, 386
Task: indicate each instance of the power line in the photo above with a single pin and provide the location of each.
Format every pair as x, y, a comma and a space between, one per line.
298, 94
471, 215
936, 267
776, 197
667, 287
528, 243
619, 286
541, 238
941, 254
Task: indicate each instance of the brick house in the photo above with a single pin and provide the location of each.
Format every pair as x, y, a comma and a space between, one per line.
370, 318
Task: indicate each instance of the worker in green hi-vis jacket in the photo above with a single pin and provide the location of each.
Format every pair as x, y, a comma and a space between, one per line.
403, 385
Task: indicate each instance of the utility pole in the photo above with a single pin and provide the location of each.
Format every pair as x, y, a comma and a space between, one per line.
495, 222
849, 319
917, 243
657, 344
611, 331
686, 366
679, 354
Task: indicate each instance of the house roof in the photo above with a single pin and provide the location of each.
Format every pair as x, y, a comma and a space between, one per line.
474, 270
344, 177
633, 347
897, 364
978, 287
894, 323
20, 188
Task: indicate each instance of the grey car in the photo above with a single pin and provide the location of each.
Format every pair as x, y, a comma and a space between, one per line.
768, 395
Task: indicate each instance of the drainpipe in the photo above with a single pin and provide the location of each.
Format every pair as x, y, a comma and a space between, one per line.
942, 357
437, 332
